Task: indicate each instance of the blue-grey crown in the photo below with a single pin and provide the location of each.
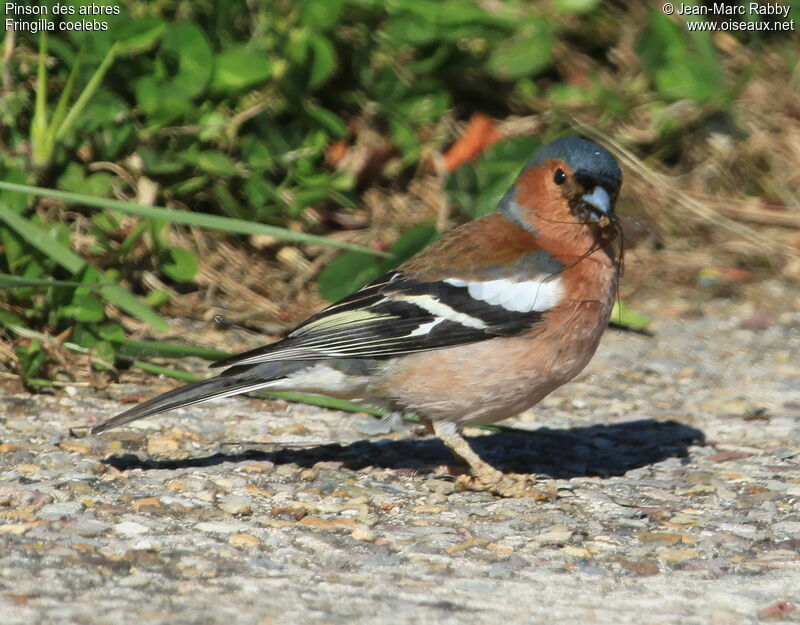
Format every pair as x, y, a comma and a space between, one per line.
582, 157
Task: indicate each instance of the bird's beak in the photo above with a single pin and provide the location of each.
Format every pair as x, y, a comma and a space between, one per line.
600, 201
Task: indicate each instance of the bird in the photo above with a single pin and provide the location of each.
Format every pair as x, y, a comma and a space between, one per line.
479, 326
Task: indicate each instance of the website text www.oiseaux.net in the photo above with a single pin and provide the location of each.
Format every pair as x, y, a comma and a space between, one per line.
730, 25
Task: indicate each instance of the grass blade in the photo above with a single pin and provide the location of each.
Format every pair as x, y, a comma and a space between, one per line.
7, 281
87, 93
159, 349
202, 220
177, 374
63, 100
322, 402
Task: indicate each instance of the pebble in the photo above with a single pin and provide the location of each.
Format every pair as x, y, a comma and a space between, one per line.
578, 552
556, 535
786, 528
133, 581
362, 532
88, 527
659, 537
130, 528
327, 524
738, 529
220, 527
234, 504
194, 568
60, 510
244, 540
674, 556
161, 445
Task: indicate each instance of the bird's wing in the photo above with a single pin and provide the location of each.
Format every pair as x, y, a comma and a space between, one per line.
399, 314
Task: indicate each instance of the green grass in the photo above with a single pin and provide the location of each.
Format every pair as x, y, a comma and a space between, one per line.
230, 124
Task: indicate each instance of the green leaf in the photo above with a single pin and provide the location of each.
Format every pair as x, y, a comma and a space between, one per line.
525, 54
320, 14
237, 68
158, 163
8, 318
324, 61
181, 265
186, 43
577, 7
255, 152
412, 241
566, 95
211, 161
328, 120
110, 332
15, 253
229, 204
214, 126
99, 183
84, 308
74, 179
426, 109
404, 136
411, 29
15, 201
346, 273
104, 110
258, 192
160, 101
624, 316
84, 336
136, 36
157, 298
103, 350
31, 358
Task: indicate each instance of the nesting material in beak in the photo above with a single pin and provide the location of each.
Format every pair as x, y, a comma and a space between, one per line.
600, 201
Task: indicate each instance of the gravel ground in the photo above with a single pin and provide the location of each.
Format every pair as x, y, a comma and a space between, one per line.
672, 463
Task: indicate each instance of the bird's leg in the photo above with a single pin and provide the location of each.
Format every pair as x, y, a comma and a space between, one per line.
459, 447
483, 476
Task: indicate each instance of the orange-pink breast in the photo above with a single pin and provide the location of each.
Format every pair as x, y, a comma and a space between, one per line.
497, 378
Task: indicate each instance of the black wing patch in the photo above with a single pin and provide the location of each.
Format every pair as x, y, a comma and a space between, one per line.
391, 316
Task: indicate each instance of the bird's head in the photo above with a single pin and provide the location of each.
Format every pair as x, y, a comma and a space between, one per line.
568, 182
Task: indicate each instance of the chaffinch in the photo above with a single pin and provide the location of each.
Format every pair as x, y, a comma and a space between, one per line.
479, 326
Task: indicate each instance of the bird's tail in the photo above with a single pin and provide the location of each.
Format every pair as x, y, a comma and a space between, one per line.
225, 385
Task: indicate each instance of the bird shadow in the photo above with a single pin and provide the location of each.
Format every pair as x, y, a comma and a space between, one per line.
602, 450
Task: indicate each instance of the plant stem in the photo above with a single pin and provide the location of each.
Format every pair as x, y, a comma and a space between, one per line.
41, 145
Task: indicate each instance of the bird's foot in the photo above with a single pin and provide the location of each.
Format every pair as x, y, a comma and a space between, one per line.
503, 485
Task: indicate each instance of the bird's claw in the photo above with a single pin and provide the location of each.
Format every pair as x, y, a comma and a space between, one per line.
504, 485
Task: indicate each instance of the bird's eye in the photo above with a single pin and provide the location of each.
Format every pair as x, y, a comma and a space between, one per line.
559, 177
